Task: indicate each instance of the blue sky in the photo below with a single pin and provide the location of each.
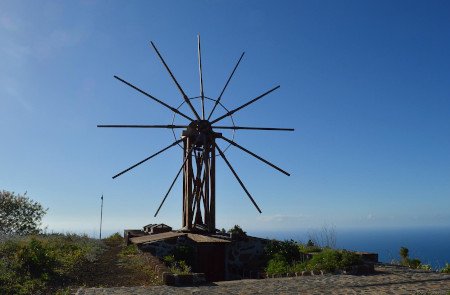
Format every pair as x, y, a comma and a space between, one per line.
364, 83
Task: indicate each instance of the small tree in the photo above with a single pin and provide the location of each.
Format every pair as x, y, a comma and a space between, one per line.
19, 215
237, 230
404, 252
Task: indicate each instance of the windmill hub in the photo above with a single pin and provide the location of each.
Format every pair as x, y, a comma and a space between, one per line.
200, 126
200, 133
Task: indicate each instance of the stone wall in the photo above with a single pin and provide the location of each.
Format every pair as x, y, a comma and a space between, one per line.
160, 248
245, 257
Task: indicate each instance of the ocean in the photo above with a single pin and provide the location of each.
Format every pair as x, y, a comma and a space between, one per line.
430, 245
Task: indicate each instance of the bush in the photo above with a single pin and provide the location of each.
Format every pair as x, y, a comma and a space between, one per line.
176, 266
446, 268
332, 260
277, 265
289, 250
349, 259
411, 263
181, 259
169, 260
425, 267
309, 248
19, 215
298, 267
237, 230
184, 253
404, 252
180, 268
114, 239
328, 260
129, 250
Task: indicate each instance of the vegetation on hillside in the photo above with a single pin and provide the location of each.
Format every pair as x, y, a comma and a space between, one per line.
32, 264
290, 257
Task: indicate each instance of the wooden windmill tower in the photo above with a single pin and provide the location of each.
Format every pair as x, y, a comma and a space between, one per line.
199, 145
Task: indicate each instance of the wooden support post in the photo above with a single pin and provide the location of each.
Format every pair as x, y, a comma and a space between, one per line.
184, 183
187, 196
212, 190
206, 176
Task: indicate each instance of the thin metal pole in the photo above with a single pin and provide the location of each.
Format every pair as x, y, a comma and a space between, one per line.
101, 217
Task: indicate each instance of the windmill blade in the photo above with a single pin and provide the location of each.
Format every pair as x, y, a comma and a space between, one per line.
253, 128
255, 155
173, 182
143, 126
244, 105
146, 159
186, 99
225, 87
237, 177
154, 98
202, 94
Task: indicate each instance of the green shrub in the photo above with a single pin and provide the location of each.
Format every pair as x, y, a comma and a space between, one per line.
349, 259
328, 260
331, 260
404, 252
129, 250
446, 268
298, 267
289, 250
184, 253
176, 266
35, 260
181, 259
169, 260
114, 239
237, 230
413, 263
277, 265
425, 267
309, 248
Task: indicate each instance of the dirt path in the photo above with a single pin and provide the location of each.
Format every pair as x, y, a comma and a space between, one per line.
112, 270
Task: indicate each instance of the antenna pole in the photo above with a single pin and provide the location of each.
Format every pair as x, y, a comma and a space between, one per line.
101, 217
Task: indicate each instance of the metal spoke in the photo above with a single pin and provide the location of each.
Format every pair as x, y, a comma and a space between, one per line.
202, 94
237, 177
154, 98
186, 99
244, 105
253, 128
225, 87
146, 159
173, 182
143, 126
255, 155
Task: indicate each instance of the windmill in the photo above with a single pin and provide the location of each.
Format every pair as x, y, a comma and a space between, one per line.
198, 140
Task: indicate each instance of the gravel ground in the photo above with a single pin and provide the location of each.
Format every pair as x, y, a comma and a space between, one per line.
387, 280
